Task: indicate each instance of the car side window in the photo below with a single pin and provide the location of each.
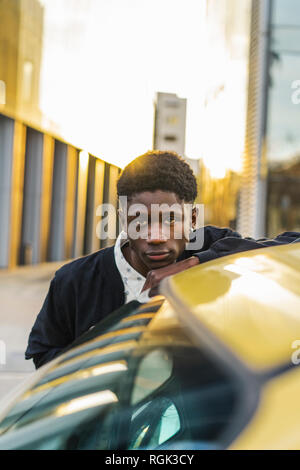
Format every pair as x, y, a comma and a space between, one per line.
164, 397
153, 370
154, 424
177, 396
173, 397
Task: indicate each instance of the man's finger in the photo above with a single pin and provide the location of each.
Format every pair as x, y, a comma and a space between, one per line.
154, 291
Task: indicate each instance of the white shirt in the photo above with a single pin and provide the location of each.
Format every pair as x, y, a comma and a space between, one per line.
132, 280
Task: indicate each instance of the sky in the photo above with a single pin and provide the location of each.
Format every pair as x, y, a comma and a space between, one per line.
103, 62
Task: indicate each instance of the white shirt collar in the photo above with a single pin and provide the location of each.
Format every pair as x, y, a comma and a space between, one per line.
132, 280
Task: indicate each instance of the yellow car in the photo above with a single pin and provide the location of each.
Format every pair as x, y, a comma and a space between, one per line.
212, 363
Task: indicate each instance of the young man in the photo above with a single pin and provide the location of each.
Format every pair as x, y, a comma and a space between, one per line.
152, 247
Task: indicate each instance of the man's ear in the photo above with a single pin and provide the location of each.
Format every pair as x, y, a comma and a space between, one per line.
194, 216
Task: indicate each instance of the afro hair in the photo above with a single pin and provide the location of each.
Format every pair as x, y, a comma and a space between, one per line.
158, 170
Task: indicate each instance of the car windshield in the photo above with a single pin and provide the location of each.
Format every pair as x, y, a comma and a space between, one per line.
155, 393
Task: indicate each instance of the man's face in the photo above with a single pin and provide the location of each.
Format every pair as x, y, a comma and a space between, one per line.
160, 230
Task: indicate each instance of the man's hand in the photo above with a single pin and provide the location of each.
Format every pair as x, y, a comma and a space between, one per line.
156, 275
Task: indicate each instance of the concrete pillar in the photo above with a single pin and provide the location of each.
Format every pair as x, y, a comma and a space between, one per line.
80, 205
6, 163
63, 202
111, 197
71, 185
12, 160
37, 197
46, 196
94, 199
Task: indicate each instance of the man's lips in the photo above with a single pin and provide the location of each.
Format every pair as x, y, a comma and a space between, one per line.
157, 255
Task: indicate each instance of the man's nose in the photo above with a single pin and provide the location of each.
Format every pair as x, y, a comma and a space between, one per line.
156, 234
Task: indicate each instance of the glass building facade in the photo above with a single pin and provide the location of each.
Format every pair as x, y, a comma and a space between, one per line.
283, 119
253, 112
225, 108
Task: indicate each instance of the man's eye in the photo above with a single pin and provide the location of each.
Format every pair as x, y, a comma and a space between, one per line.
172, 220
141, 223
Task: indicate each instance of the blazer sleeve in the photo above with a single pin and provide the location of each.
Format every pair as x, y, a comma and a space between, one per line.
52, 330
234, 244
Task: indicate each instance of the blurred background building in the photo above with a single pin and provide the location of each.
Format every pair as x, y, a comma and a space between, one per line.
226, 69
283, 117
170, 123
170, 126
256, 47
49, 188
21, 42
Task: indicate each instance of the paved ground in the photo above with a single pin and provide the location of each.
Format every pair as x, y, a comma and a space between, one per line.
22, 292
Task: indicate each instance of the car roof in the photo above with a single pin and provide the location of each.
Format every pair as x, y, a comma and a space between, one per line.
249, 302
